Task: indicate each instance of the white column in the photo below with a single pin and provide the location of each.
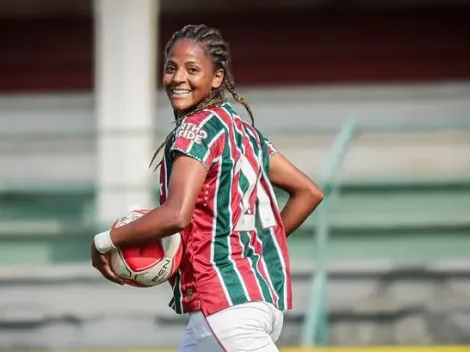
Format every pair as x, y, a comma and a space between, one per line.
125, 82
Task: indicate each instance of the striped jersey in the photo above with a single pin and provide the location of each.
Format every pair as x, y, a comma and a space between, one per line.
235, 248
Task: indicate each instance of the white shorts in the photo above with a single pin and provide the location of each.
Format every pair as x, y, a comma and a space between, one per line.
253, 326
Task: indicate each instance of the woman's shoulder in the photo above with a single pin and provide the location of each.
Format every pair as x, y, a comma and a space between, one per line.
214, 114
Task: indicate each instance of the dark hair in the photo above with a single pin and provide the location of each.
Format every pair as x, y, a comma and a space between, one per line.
215, 47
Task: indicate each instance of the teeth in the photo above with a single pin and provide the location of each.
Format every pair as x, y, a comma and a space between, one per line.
181, 91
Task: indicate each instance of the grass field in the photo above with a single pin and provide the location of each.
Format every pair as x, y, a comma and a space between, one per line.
292, 349
344, 349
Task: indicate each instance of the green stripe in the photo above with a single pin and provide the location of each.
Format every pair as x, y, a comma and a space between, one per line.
248, 251
176, 293
255, 258
177, 299
212, 127
271, 256
273, 263
222, 256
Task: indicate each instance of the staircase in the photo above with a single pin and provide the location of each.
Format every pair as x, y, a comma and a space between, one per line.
399, 270
382, 302
400, 219
398, 274
370, 303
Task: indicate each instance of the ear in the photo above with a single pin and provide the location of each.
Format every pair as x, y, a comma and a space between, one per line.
218, 78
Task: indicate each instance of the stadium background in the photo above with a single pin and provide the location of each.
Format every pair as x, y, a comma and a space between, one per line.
371, 98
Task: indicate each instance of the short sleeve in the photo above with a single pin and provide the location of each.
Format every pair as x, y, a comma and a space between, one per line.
200, 136
271, 149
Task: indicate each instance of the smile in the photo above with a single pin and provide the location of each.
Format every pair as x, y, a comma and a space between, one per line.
180, 92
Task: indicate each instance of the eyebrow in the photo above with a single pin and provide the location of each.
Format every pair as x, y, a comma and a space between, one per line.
186, 62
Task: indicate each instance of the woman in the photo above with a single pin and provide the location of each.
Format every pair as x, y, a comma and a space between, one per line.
216, 181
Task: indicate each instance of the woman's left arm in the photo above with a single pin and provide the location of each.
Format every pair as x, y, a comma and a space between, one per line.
186, 180
198, 140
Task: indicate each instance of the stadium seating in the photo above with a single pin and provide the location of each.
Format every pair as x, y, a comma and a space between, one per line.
373, 218
410, 218
398, 238
375, 224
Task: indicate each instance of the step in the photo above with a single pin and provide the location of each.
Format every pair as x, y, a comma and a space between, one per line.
370, 153
368, 301
388, 203
407, 246
373, 218
50, 241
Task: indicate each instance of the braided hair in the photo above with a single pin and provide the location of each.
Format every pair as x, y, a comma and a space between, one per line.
217, 49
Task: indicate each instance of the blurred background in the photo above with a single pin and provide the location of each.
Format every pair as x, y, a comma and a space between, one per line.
371, 98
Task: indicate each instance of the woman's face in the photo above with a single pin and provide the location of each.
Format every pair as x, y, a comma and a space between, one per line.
189, 75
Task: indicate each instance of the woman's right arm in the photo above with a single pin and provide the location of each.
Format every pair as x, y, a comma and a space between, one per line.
304, 193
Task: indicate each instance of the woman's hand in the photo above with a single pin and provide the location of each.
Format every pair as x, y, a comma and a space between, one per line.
101, 263
304, 193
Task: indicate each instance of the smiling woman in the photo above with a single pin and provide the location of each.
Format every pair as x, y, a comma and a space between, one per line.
189, 75
197, 72
216, 180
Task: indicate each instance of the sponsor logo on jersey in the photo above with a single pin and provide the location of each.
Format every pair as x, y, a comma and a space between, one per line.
192, 132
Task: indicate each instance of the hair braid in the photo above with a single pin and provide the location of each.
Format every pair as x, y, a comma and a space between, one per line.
229, 84
218, 50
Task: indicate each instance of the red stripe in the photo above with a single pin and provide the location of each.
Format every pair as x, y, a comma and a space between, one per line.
254, 240
253, 159
163, 182
185, 143
243, 264
213, 146
214, 296
251, 156
257, 248
281, 239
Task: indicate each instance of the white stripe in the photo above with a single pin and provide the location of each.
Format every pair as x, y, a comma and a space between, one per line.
272, 290
201, 125
252, 131
268, 276
212, 142
165, 184
283, 264
260, 257
278, 248
214, 225
255, 135
240, 277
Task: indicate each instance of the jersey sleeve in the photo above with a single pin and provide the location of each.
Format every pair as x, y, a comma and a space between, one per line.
271, 149
200, 136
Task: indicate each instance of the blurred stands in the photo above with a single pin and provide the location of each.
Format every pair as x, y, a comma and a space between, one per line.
405, 176
399, 232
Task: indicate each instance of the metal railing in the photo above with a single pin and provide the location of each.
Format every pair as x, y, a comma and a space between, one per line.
314, 329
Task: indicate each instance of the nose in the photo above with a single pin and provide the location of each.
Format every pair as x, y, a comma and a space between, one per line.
179, 76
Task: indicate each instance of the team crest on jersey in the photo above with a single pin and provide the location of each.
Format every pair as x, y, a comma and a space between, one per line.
192, 132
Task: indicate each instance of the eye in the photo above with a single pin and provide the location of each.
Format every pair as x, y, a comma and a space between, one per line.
169, 69
193, 70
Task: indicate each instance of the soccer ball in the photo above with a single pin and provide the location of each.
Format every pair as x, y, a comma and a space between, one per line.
146, 264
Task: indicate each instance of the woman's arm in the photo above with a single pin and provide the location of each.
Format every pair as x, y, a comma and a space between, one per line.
186, 180
304, 193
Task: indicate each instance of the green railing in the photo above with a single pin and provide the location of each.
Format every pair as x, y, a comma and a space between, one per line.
314, 330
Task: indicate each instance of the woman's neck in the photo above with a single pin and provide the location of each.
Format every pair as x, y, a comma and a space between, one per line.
209, 101
179, 114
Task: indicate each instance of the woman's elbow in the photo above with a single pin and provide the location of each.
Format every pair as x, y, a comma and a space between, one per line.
180, 220
315, 193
